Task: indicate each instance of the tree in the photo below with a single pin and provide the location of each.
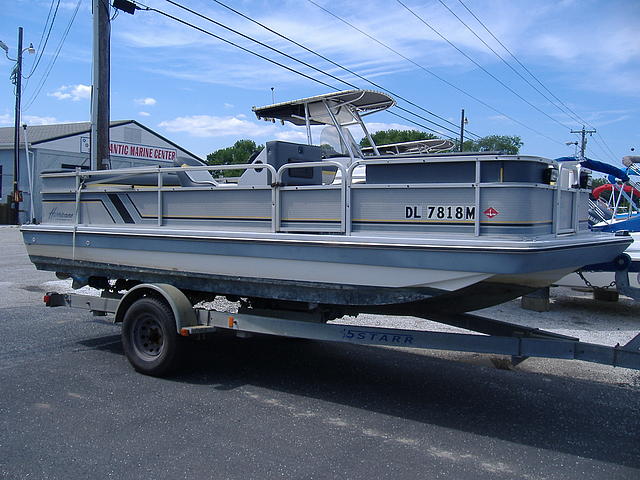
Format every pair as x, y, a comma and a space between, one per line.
596, 182
384, 137
493, 143
238, 153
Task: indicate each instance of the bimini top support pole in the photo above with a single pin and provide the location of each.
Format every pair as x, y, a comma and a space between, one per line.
339, 128
356, 115
307, 123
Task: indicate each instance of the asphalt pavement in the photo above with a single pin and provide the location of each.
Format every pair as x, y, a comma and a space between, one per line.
71, 407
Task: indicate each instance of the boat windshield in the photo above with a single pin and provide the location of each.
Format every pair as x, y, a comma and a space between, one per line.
333, 146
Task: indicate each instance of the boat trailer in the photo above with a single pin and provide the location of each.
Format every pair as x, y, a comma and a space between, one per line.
157, 317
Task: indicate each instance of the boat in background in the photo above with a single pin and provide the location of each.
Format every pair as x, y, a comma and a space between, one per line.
617, 213
448, 232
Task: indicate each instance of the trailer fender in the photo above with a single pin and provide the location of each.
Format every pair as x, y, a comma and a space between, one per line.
178, 302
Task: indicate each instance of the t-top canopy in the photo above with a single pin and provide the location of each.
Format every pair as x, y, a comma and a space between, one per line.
364, 102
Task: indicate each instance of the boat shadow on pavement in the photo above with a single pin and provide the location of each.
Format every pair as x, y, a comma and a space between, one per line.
577, 417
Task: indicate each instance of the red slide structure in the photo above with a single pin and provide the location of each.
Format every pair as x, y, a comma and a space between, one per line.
607, 187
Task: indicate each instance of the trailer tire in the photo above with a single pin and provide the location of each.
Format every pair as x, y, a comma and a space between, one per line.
149, 337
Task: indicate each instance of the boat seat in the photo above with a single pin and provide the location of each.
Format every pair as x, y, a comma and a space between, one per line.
195, 178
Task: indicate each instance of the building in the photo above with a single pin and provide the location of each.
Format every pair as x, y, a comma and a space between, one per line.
66, 146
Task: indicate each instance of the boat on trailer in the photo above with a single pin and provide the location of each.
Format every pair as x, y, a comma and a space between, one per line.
619, 212
322, 227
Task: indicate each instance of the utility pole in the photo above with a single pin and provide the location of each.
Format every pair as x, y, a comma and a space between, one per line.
16, 194
583, 139
100, 90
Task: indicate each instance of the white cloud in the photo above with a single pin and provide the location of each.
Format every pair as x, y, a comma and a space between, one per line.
220, 72
292, 136
618, 47
145, 101
540, 38
36, 120
8, 121
499, 118
600, 118
211, 126
144, 33
72, 92
144, 114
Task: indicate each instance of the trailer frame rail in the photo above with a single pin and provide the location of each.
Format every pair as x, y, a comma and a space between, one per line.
495, 337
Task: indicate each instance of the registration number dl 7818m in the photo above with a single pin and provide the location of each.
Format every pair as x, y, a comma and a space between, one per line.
439, 212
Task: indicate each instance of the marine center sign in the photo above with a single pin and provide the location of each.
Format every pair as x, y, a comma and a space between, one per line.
121, 149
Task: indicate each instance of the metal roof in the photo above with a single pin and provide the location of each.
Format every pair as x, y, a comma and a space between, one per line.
364, 101
45, 133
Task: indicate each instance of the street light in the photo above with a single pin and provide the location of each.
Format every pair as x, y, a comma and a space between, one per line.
16, 77
573, 143
463, 122
4, 47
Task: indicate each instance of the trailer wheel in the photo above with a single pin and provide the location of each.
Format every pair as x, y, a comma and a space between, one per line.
149, 337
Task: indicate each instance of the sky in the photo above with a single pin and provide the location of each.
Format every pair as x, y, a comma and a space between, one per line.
198, 91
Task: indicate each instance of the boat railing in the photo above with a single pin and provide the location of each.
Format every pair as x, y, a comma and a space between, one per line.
124, 173
327, 163
346, 187
572, 177
477, 185
621, 205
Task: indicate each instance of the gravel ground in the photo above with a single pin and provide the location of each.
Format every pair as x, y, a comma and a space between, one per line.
571, 312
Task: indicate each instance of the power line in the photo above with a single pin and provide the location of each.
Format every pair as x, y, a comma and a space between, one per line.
209, 19
184, 22
278, 51
481, 67
572, 112
293, 70
423, 126
291, 57
504, 61
418, 124
55, 57
46, 23
605, 144
434, 74
612, 155
211, 34
600, 148
46, 40
520, 63
396, 95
